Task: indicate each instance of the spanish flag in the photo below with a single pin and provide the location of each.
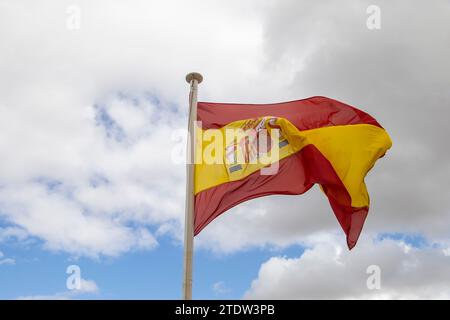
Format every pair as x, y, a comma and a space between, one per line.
318, 140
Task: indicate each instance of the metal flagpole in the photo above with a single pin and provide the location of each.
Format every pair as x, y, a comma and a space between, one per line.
193, 79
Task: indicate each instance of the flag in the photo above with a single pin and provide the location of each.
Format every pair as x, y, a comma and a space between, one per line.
317, 141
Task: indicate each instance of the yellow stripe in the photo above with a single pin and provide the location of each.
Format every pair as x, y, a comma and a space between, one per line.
351, 149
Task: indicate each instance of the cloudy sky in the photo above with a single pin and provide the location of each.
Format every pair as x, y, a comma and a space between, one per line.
92, 96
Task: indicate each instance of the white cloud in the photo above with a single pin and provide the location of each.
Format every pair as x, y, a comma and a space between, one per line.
12, 234
328, 271
64, 225
277, 221
399, 74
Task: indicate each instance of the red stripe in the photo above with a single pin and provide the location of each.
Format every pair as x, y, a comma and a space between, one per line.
296, 175
311, 113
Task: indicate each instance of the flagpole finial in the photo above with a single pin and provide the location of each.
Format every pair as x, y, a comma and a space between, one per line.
194, 76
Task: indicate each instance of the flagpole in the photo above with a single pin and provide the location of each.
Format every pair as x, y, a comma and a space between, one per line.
193, 79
